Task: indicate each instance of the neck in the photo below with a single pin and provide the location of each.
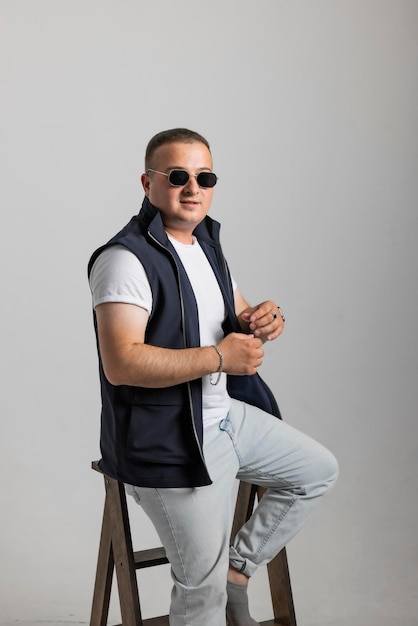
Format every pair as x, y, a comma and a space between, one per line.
181, 236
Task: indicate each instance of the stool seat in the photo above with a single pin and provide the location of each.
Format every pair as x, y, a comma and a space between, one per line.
116, 554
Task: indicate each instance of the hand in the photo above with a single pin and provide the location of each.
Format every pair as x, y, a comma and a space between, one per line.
265, 320
243, 354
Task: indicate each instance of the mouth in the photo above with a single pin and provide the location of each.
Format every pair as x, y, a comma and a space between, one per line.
190, 202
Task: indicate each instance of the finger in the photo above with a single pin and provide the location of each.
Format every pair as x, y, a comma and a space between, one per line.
263, 310
277, 332
267, 323
275, 313
270, 330
247, 314
267, 320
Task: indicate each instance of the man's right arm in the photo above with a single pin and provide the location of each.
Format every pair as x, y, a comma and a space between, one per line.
128, 360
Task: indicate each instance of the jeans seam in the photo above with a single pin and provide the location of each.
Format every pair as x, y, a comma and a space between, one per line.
275, 526
284, 512
283, 482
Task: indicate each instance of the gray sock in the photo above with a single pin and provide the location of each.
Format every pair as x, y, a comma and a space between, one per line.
237, 606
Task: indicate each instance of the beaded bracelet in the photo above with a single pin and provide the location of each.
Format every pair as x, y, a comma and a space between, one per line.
221, 364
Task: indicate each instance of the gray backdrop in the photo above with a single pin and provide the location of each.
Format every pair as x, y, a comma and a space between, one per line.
311, 110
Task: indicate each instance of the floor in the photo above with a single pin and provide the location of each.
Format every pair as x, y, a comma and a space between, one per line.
364, 620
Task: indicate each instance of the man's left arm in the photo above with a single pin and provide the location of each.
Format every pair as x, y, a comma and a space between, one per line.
264, 320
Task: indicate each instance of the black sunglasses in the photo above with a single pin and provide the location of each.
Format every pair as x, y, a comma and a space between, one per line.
179, 178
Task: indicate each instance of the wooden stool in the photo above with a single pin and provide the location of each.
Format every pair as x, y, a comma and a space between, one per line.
116, 553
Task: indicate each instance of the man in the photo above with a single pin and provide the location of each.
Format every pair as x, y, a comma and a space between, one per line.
184, 411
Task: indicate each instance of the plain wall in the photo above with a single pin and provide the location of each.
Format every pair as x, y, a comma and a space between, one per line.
311, 111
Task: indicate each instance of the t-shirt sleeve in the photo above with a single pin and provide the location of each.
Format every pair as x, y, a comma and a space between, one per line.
118, 275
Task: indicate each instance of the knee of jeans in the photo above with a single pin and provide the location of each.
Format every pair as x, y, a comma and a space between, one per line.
213, 592
331, 470
324, 472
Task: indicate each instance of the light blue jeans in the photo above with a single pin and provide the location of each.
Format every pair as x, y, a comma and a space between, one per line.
194, 524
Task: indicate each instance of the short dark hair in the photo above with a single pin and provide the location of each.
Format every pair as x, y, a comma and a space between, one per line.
174, 135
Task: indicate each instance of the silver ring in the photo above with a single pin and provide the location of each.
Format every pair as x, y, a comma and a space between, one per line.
273, 314
280, 311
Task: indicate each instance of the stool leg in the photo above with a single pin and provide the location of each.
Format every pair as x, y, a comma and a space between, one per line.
244, 506
281, 590
278, 571
280, 587
123, 554
104, 573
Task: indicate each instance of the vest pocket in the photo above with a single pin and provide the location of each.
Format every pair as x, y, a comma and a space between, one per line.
160, 433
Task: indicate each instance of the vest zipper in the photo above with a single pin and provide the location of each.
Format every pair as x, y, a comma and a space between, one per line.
189, 393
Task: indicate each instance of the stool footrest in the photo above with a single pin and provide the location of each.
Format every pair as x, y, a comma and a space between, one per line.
155, 621
149, 558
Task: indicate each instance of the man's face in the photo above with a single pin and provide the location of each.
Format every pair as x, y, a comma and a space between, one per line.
181, 208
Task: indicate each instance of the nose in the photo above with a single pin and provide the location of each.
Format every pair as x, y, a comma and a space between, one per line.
191, 187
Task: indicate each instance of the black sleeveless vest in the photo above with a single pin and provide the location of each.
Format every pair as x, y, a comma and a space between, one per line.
154, 437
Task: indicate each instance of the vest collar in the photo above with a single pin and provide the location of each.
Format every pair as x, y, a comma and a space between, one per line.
208, 229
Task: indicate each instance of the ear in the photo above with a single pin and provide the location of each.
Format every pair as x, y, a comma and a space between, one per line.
145, 180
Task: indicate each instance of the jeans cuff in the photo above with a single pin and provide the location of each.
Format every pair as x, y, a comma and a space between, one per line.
239, 563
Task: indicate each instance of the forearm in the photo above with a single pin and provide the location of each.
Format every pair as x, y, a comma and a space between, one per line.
128, 360
143, 365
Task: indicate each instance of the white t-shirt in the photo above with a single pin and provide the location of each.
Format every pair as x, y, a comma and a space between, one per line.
118, 276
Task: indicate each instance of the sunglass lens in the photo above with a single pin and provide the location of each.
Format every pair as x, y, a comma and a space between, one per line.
206, 179
178, 178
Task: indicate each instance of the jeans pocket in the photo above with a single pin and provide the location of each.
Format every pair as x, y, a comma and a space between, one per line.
226, 426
